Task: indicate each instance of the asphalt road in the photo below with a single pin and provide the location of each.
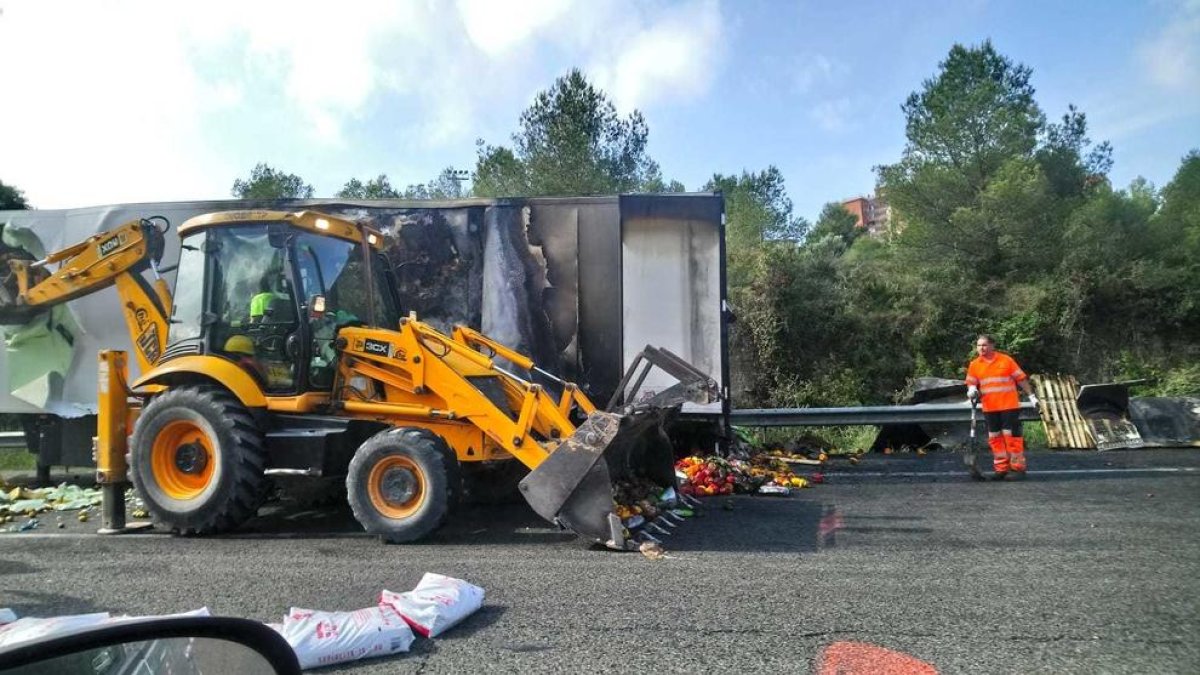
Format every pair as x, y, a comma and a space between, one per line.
1088, 566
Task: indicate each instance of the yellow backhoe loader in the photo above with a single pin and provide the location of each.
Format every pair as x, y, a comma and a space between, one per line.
283, 350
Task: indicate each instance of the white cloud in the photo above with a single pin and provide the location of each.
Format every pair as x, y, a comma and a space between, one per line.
674, 55
816, 70
98, 103
1172, 58
832, 115
116, 102
498, 26
324, 58
146, 100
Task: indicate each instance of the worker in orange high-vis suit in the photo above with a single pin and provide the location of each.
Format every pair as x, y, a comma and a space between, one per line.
992, 380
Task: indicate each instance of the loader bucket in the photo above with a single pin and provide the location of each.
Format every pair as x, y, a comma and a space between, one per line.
574, 486
622, 449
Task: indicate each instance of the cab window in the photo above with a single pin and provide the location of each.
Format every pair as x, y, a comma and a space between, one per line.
188, 296
254, 305
336, 270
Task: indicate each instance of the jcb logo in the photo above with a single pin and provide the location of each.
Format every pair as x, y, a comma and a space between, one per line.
147, 342
377, 347
109, 245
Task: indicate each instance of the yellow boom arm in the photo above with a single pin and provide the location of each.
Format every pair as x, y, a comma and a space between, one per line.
116, 257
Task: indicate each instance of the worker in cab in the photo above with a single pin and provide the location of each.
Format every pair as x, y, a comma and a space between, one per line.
260, 303
992, 381
240, 349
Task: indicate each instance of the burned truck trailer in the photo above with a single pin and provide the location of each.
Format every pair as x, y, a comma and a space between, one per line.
581, 284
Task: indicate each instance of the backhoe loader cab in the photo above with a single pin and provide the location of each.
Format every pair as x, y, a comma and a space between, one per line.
269, 295
286, 353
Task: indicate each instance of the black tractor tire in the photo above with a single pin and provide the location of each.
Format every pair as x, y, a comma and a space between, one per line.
402, 483
197, 460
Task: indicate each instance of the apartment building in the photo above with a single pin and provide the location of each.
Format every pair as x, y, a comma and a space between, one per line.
872, 212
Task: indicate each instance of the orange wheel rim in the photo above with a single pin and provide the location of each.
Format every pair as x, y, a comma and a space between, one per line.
396, 486
183, 460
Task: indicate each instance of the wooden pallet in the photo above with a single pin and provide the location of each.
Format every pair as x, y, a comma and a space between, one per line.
1065, 427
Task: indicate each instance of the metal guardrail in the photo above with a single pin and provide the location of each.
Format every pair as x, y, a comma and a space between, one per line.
921, 413
12, 439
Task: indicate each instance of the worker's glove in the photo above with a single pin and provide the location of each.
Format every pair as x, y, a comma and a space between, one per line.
973, 394
1034, 400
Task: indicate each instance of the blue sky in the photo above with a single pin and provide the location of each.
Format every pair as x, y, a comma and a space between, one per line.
147, 101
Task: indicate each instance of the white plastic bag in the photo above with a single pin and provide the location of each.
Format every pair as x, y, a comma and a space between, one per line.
203, 611
324, 638
32, 627
437, 603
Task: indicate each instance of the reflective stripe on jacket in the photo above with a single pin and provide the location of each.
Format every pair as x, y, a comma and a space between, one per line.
997, 381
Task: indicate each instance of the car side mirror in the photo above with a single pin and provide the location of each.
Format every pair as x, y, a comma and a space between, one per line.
180, 644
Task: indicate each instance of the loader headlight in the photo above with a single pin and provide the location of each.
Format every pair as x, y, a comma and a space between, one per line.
361, 385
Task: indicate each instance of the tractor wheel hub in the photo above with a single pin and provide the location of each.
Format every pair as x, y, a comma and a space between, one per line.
398, 485
191, 458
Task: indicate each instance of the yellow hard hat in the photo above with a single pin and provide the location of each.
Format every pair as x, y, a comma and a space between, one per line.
240, 344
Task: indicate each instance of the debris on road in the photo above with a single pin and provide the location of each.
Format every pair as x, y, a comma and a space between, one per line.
322, 638
31, 501
709, 476
647, 511
775, 490
437, 603
652, 550
325, 638
33, 628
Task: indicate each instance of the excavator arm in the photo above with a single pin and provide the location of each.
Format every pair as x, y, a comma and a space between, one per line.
117, 257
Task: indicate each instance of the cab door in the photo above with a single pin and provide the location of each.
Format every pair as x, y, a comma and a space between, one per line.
254, 313
339, 291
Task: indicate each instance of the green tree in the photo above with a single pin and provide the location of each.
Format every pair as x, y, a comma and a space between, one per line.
1071, 163
268, 183
447, 185
12, 198
1176, 229
571, 141
375, 188
658, 186
836, 221
757, 208
1180, 212
763, 266
962, 127
1006, 224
